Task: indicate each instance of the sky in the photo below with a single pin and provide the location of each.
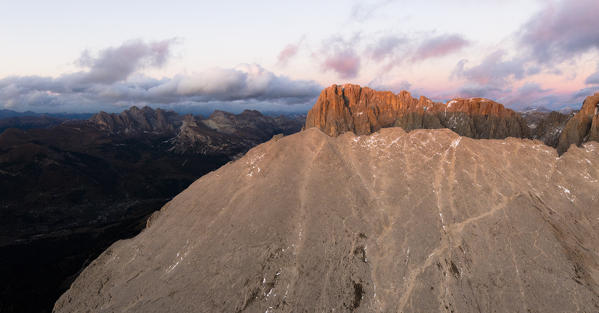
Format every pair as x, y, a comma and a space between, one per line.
196, 56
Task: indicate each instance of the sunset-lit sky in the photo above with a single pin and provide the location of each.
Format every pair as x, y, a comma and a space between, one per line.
84, 56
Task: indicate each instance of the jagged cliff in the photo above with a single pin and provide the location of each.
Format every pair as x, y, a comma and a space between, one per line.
583, 127
363, 110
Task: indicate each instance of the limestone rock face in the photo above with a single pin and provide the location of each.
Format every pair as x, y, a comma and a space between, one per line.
425, 221
583, 127
363, 110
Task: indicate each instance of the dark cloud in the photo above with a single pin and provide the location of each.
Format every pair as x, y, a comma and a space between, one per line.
532, 88
585, 92
439, 46
243, 82
529, 94
485, 91
339, 55
117, 63
494, 70
249, 86
593, 79
561, 31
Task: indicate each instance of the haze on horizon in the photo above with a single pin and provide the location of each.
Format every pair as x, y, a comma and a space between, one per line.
65, 56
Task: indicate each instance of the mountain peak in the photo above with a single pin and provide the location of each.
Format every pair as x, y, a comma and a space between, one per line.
390, 222
363, 110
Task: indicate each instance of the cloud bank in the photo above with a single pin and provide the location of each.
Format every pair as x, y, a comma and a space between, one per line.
111, 81
560, 33
561, 30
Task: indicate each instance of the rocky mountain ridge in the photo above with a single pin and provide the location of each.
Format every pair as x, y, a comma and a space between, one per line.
361, 110
425, 221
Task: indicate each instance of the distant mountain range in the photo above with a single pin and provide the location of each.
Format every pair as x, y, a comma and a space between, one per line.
70, 116
70, 190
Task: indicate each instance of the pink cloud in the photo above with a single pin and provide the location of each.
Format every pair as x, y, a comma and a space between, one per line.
339, 55
494, 70
439, 46
288, 53
345, 63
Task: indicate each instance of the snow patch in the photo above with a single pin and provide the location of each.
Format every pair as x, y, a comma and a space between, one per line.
567, 193
252, 163
456, 142
442, 221
179, 257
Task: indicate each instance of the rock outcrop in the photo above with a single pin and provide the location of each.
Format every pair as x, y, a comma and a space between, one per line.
363, 110
425, 221
546, 126
583, 127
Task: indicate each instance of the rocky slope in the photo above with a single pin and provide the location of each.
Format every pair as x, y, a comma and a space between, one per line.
68, 192
363, 110
546, 126
229, 133
584, 126
425, 221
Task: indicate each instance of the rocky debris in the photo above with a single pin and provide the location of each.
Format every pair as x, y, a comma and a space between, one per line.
583, 127
363, 110
425, 221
